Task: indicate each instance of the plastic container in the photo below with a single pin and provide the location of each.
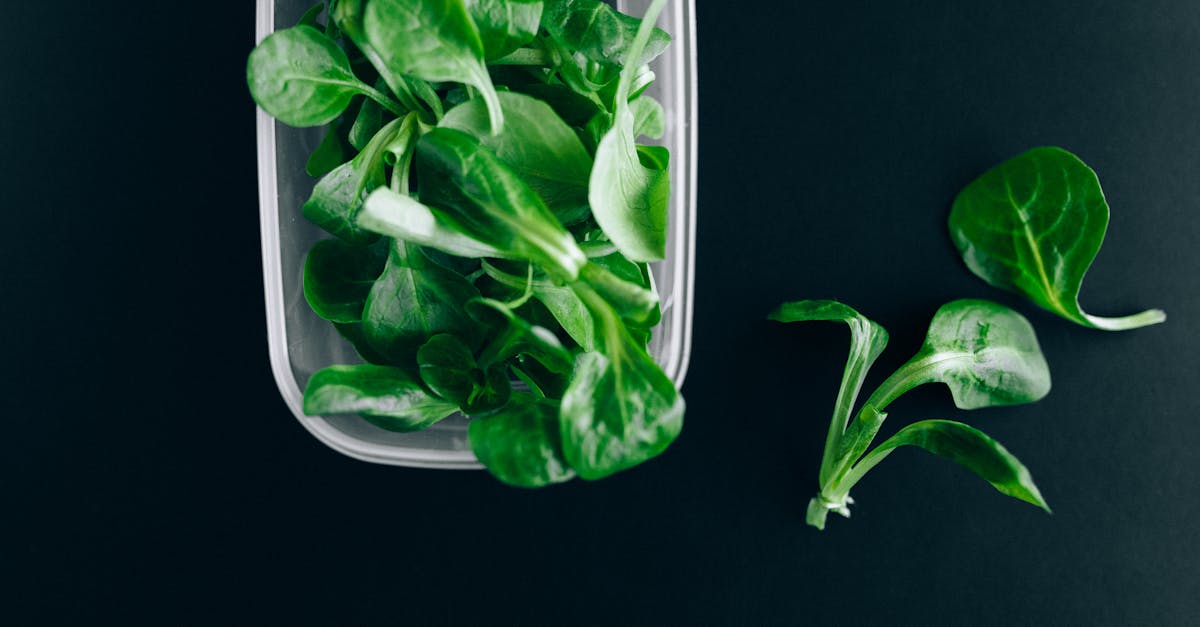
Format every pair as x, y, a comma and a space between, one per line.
300, 343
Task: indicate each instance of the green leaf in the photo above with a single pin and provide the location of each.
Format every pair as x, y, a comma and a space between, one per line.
387, 396
514, 336
521, 445
402, 217
966, 446
538, 146
867, 341
474, 192
414, 300
505, 25
601, 33
301, 77
433, 40
561, 301
448, 367
649, 118
620, 409
338, 277
1033, 225
366, 124
629, 200
334, 150
986, 353
338, 197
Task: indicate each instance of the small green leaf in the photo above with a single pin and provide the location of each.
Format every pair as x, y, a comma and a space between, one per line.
1033, 225
448, 368
538, 146
301, 77
402, 217
514, 336
649, 118
414, 300
521, 445
620, 409
387, 396
601, 33
966, 446
338, 277
433, 40
986, 353
629, 200
867, 341
338, 197
505, 25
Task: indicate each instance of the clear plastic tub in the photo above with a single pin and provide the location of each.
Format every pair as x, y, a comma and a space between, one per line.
300, 343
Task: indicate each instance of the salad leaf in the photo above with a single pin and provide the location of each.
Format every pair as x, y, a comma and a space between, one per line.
505, 25
521, 445
601, 33
338, 277
1033, 225
388, 396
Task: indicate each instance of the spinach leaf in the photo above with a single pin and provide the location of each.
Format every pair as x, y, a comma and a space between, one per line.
386, 396
966, 446
987, 354
649, 118
601, 33
338, 197
620, 409
338, 277
505, 25
474, 192
302, 78
867, 341
395, 215
366, 124
560, 300
334, 149
414, 300
433, 40
538, 146
521, 445
629, 200
1033, 225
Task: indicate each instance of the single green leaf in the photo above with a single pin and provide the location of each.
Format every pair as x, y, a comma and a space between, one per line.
867, 341
334, 150
338, 197
505, 25
634, 303
601, 33
521, 445
403, 217
310, 16
472, 191
433, 40
1033, 225
620, 409
538, 146
986, 353
966, 446
649, 118
561, 301
338, 277
366, 124
301, 77
630, 201
414, 300
448, 368
387, 396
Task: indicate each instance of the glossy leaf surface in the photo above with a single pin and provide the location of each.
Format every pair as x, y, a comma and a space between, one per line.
601, 33
986, 353
1033, 225
338, 277
505, 25
301, 77
521, 445
388, 395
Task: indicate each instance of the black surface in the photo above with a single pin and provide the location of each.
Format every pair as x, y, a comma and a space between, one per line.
151, 474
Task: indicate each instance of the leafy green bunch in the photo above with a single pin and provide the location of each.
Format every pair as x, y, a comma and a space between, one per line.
493, 216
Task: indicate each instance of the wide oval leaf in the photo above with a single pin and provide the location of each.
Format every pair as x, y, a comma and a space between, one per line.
505, 25
301, 77
521, 445
1033, 225
387, 396
338, 277
986, 353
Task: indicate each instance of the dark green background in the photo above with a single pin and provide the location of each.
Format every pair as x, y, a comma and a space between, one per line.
150, 472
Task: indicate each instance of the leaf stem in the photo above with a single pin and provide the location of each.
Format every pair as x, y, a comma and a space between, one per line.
1125, 323
382, 99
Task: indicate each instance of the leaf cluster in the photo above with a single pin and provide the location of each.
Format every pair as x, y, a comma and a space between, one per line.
492, 217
